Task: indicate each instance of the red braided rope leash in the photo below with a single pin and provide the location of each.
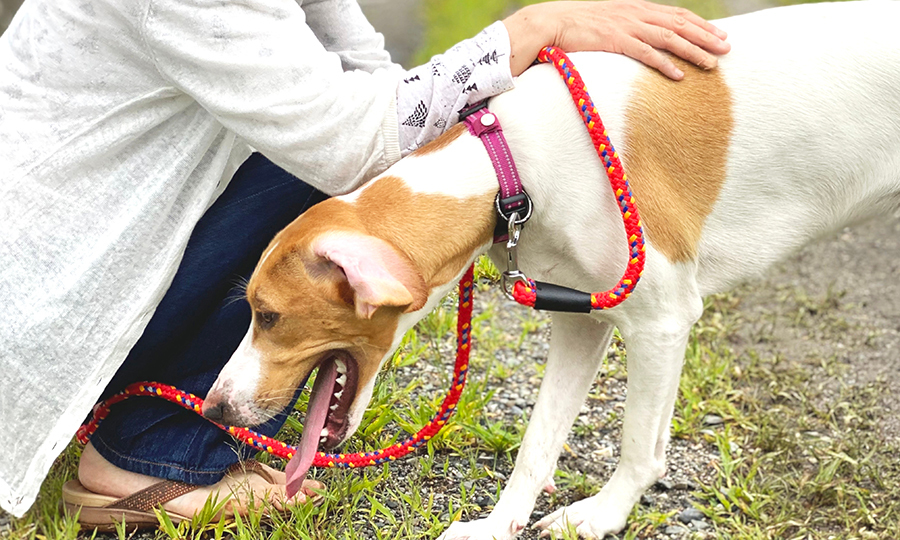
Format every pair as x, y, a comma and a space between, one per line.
525, 292
280, 449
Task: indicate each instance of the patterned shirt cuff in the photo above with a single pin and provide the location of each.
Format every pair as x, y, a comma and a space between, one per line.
430, 97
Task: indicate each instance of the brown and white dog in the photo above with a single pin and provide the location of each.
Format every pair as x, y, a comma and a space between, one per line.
795, 135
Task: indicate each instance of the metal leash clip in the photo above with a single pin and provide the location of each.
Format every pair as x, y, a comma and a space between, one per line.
512, 274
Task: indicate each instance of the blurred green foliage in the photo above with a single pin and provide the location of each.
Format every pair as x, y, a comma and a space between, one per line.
447, 22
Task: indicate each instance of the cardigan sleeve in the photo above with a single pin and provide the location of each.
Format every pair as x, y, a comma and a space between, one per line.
332, 118
259, 69
342, 28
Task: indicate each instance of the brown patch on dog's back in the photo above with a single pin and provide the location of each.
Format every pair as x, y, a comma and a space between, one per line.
448, 137
677, 139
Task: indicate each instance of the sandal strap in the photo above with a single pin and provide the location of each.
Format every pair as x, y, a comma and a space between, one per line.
160, 493
252, 466
152, 497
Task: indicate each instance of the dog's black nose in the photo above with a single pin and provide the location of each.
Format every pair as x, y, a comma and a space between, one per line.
218, 412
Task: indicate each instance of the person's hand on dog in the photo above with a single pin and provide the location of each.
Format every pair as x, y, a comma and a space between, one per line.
635, 28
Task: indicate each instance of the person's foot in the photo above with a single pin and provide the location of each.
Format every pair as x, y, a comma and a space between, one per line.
100, 476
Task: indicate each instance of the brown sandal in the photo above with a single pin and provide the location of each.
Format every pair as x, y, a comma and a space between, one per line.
102, 512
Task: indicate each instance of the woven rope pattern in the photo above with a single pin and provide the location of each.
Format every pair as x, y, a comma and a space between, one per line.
524, 292
322, 459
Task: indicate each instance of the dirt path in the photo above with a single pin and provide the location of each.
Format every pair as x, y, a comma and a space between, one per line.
836, 300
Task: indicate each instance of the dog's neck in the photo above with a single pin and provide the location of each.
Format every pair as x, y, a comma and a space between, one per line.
441, 214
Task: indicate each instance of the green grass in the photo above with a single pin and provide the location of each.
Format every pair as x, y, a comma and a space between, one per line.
796, 460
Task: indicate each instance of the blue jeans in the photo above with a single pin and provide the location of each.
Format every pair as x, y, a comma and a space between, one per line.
197, 326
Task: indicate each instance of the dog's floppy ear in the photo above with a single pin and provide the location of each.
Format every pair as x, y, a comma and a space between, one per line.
378, 274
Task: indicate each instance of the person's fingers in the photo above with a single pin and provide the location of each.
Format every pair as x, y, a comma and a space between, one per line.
299, 498
278, 498
278, 476
664, 38
644, 52
632, 27
692, 33
689, 16
308, 492
311, 494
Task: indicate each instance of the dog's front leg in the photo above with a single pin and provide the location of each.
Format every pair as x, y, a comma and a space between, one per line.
577, 346
655, 355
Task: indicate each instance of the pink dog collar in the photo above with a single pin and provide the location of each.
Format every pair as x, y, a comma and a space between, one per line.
512, 197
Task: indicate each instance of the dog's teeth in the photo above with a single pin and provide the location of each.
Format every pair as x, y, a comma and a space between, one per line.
322, 440
339, 394
341, 380
333, 407
341, 366
324, 432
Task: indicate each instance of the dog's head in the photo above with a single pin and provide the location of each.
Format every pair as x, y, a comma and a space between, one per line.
337, 289
321, 297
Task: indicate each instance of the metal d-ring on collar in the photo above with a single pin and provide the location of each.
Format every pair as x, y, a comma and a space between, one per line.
514, 206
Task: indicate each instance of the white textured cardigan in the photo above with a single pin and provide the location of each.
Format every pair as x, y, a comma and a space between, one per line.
120, 124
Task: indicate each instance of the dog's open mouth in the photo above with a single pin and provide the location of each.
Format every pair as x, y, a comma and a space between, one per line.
326, 422
340, 391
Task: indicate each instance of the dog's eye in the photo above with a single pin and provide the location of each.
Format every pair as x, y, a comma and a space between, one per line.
266, 319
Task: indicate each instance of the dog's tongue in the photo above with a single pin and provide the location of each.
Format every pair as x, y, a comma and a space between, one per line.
316, 412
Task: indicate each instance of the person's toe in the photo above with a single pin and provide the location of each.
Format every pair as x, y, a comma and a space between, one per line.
278, 476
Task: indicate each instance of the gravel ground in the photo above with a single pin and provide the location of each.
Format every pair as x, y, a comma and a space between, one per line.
591, 452
838, 299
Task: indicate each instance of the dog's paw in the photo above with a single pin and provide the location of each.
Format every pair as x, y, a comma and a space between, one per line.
590, 518
482, 529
